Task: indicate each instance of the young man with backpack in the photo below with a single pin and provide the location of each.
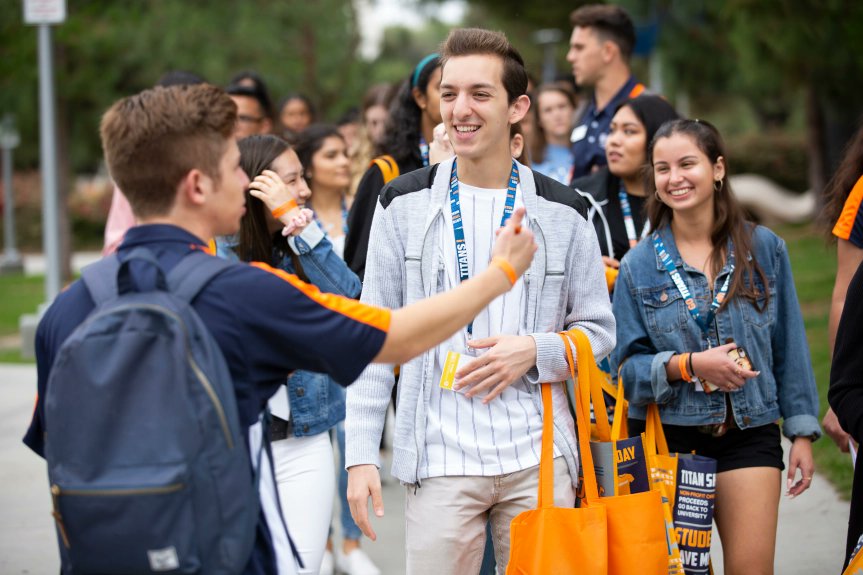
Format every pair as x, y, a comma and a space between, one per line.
153, 372
469, 418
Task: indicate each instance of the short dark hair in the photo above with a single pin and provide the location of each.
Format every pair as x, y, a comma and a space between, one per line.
153, 139
179, 78
255, 81
610, 22
470, 41
253, 93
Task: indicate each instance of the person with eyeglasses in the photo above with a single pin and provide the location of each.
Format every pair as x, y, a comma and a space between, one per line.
253, 111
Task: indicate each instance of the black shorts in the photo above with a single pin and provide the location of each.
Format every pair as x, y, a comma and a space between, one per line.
738, 448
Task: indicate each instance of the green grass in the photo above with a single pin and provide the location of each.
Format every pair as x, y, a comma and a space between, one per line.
19, 294
814, 266
13, 355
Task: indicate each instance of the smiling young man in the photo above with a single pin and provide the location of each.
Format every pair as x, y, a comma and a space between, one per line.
173, 152
603, 37
467, 443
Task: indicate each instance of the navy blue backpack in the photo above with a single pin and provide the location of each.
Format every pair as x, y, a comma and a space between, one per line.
147, 462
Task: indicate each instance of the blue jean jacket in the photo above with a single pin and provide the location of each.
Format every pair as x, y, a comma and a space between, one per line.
653, 324
317, 402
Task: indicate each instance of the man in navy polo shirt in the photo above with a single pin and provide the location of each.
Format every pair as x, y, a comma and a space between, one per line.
601, 45
173, 152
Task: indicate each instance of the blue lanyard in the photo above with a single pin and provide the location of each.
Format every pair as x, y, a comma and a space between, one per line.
344, 218
628, 221
704, 324
424, 151
458, 224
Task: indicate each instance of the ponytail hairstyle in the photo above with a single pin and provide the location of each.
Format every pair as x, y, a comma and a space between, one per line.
729, 219
404, 127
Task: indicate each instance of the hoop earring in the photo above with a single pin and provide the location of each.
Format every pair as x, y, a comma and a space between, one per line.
656, 194
718, 188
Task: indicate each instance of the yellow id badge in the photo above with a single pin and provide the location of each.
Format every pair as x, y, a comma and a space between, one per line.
449, 368
454, 360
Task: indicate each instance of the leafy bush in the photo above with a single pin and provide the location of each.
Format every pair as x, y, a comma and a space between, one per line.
775, 155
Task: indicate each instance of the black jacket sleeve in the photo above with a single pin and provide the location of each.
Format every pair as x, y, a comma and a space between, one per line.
846, 373
360, 219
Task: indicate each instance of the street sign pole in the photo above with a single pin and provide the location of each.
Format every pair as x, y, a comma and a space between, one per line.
44, 13
48, 154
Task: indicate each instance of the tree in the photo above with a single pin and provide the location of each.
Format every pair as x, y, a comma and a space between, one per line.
106, 50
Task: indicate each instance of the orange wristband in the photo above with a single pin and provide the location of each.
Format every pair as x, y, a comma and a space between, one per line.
507, 268
284, 208
681, 364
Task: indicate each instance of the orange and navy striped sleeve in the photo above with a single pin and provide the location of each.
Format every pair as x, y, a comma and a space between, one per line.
376, 317
849, 226
280, 323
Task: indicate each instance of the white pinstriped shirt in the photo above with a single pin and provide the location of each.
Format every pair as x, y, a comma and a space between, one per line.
463, 436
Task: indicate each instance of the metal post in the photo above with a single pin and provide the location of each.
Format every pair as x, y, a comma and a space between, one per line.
11, 258
9, 140
48, 149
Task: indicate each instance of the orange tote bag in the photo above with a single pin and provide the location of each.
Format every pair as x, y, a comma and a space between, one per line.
553, 540
635, 522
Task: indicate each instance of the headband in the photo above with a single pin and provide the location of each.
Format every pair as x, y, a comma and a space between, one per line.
421, 66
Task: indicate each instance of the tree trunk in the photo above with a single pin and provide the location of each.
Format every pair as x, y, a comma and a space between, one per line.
815, 146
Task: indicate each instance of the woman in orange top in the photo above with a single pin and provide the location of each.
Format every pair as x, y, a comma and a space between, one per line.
843, 202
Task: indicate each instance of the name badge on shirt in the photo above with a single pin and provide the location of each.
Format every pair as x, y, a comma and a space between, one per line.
578, 133
454, 361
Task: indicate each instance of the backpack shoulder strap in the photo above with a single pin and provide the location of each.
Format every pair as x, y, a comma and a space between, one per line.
432, 174
193, 272
388, 166
100, 279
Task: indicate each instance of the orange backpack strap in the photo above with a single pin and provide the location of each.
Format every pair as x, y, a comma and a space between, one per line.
388, 166
636, 91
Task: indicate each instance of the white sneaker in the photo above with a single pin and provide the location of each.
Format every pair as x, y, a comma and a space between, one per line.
328, 563
355, 563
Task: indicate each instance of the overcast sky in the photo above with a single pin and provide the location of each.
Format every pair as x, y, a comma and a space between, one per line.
375, 15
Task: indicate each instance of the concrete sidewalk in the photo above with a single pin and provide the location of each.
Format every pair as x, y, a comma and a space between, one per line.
811, 539
35, 264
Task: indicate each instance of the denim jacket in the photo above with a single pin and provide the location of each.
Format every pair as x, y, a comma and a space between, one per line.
317, 402
653, 324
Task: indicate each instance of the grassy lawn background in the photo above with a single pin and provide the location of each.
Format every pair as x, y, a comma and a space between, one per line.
813, 263
19, 295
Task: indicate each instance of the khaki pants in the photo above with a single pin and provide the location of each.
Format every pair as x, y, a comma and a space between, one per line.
445, 519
